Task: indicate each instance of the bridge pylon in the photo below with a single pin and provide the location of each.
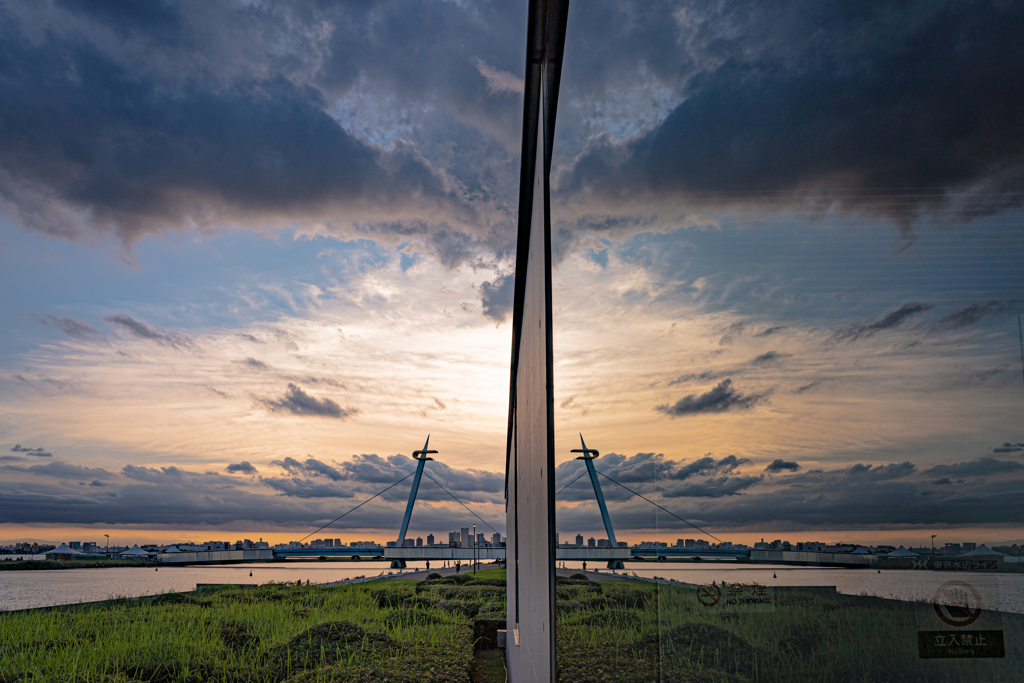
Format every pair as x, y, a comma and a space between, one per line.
589, 454
421, 457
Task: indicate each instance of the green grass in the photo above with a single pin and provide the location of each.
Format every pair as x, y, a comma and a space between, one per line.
273, 633
405, 631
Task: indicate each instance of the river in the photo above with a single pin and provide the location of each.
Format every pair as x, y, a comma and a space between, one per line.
43, 588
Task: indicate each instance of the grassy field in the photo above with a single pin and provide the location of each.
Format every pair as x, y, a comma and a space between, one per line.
444, 629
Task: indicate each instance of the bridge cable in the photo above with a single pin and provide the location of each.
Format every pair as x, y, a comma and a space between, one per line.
571, 482
459, 502
659, 507
356, 507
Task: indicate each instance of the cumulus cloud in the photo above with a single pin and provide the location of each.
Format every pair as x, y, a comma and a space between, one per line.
718, 400
298, 402
38, 452
889, 321
780, 465
496, 296
75, 329
1008, 447
243, 467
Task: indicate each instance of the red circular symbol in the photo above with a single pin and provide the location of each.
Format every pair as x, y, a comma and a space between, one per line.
957, 603
709, 595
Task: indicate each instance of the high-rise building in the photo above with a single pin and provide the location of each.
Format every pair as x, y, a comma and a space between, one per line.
495, 539
480, 540
603, 543
430, 539
579, 540
419, 542
467, 540
591, 543
454, 538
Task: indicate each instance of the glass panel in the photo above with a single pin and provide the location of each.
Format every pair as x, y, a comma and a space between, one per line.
787, 316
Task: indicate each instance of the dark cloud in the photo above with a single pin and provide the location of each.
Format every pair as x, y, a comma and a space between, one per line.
770, 358
707, 466
253, 364
298, 402
1008, 447
11, 458
368, 474
38, 452
76, 329
154, 475
243, 467
890, 320
704, 477
807, 387
311, 467
780, 465
713, 487
142, 331
179, 498
496, 297
982, 467
246, 127
731, 333
706, 376
60, 470
808, 105
719, 400
960, 318
768, 331
880, 472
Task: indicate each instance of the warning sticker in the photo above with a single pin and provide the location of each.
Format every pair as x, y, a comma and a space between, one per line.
736, 597
963, 622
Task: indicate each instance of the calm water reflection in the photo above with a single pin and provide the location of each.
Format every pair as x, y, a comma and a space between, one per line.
41, 588
24, 589
1006, 590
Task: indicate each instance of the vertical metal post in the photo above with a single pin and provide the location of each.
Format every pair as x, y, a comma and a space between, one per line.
530, 446
421, 456
587, 458
589, 454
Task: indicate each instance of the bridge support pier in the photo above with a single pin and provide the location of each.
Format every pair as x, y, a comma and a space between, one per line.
398, 564
616, 564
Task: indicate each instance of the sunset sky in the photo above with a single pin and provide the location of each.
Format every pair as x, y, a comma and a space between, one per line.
252, 253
